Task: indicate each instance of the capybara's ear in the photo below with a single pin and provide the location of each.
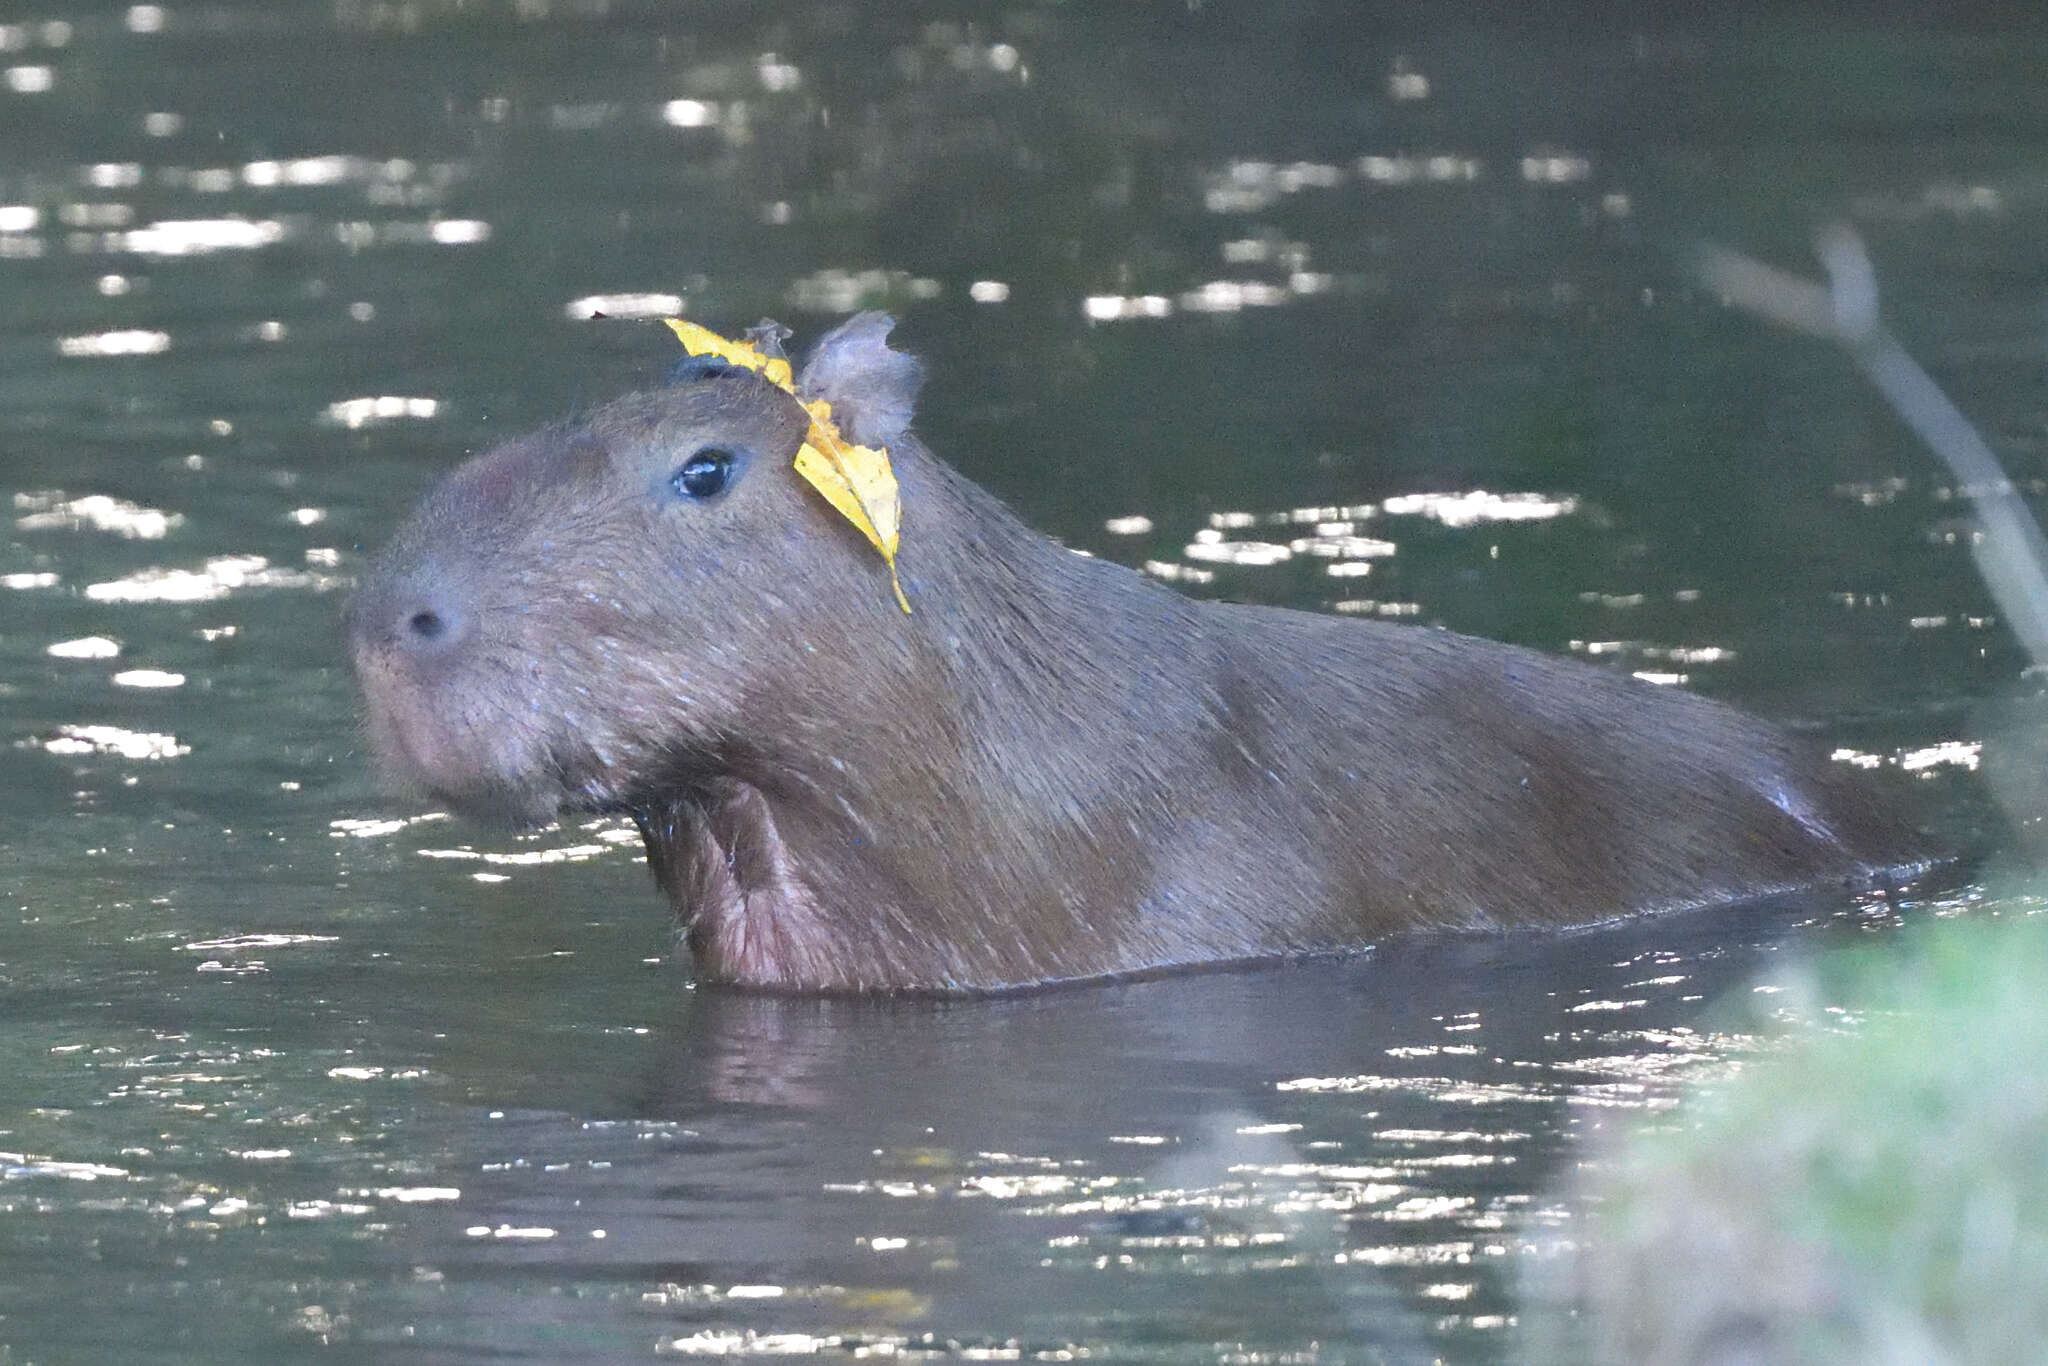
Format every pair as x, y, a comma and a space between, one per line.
871, 388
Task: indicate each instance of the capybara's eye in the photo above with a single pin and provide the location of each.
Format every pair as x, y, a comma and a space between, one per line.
703, 475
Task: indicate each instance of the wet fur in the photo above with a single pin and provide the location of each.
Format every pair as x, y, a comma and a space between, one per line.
1055, 769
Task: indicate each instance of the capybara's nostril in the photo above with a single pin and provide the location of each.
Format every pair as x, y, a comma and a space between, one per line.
400, 613
432, 624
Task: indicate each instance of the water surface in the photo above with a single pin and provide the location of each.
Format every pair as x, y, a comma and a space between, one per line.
1380, 316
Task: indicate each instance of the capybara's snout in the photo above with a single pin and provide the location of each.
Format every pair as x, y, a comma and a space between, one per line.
407, 613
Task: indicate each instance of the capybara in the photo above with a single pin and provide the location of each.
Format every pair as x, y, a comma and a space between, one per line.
1053, 768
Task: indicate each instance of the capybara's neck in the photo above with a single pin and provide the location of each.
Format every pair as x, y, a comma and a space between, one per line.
1029, 628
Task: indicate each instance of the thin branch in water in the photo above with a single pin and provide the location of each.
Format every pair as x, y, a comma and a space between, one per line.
2009, 549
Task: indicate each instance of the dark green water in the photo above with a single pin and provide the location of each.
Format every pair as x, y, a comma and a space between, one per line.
291, 1069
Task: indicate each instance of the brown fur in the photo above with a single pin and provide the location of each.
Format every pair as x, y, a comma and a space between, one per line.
1055, 769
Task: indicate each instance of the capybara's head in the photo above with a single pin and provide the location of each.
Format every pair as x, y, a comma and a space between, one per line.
584, 616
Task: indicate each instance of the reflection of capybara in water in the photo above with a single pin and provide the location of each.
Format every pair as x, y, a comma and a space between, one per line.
1055, 768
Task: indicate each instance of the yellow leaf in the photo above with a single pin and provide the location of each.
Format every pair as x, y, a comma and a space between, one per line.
702, 341
855, 480
859, 484
866, 472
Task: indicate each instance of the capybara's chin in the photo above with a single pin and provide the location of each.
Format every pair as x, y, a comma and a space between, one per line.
1052, 768
464, 764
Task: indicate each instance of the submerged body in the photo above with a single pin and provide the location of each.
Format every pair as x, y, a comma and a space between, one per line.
1055, 768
